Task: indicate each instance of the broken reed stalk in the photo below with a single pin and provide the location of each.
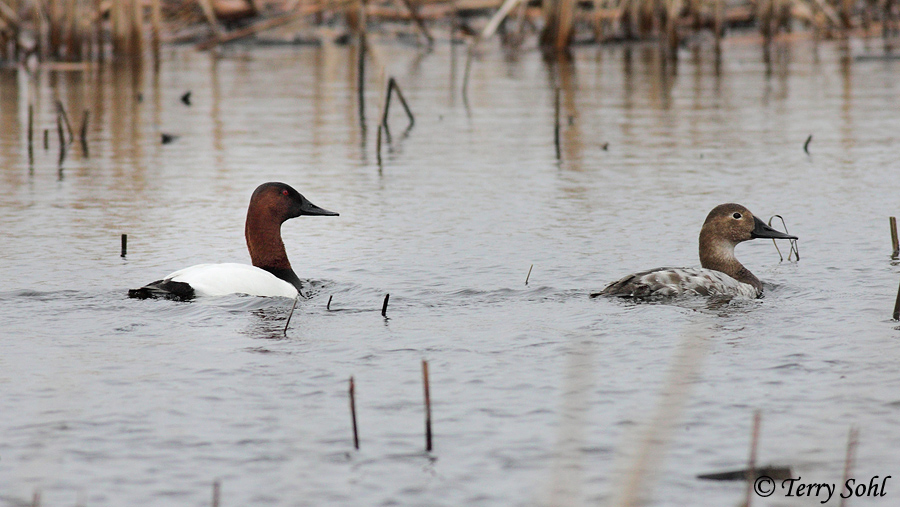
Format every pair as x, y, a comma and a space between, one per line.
529, 274
795, 249
378, 145
466, 72
414, 13
216, 493
897, 306
751, 465
84, 128
46, 139
30, 134
850, 457
62, 112
895, 243
291, 314
353, 414
328, 306
426, 387
384, 305
361, 66
806, 144
394, 87
124, 245
556, 126
62, 139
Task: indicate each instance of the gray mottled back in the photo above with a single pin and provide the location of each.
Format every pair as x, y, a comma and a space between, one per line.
663, 282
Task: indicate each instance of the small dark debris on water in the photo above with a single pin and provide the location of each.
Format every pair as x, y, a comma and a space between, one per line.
140, 97
605, 146
776, 473
571, 121
168, 138
186, 98
806, 144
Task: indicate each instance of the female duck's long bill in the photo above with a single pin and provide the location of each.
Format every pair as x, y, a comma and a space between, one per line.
761, 230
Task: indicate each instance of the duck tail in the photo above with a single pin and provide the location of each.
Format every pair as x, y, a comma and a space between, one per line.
164, 289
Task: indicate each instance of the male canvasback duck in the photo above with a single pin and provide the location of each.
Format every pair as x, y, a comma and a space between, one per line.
271, 273
721, 274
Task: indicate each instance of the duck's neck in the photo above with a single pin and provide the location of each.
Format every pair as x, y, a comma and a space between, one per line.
718, 254
267, 248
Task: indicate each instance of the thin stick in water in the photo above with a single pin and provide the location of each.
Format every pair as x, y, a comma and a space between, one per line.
529, 274
894, 238
291, 314
353, 414
806, 144
124, 245
46, 139
384, 305
897, 306
30, 134
62, 112
427, 389
852, 440
216, 493
84, 128
62, 140
328, 306
556, 127
751, 465
392, 84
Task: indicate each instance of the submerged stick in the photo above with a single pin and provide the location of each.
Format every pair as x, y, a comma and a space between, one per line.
427, 389
894, 241
806, 144
384, 305
291, 314
353, 414
897, 306
216, 493
84, 128
751, 466
529, 274
556, 126
852, 439
124, 245
328, 306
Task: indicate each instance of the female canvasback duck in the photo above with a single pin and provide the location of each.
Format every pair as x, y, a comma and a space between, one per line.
271, 273
721, 274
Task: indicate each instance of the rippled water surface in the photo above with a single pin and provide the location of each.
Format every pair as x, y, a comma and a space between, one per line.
541, 395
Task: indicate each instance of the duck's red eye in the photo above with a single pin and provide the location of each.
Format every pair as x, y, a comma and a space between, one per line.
285, 192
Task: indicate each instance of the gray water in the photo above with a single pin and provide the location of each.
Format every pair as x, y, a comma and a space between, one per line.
541, 395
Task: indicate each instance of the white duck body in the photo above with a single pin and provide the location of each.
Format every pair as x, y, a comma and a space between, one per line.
721, 274
232, 278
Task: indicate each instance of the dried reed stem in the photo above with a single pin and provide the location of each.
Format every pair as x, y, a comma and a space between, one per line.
806, 144
62, 138
124, 245
46, 139
353, 414
849, 458
84, 128
751, 462
426, 386
894, 241
414, 12
328, 306
361, 65
556, 126
30, 134
384, 305
216, 493
529, 274
62, 112
897, 306
291, 314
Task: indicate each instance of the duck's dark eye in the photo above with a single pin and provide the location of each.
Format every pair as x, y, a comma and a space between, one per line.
285, 192
737, 216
